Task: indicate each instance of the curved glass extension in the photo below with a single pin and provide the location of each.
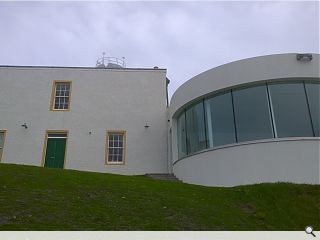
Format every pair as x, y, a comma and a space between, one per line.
264, 111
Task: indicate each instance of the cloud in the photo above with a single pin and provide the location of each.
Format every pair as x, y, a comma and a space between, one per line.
184, 37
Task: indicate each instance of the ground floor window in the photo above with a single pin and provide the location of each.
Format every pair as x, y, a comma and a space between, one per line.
2, 137
115, 149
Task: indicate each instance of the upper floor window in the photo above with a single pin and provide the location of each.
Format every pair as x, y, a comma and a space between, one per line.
115, 147
60, 99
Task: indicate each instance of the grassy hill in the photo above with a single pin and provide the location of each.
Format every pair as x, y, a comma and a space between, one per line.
33, 198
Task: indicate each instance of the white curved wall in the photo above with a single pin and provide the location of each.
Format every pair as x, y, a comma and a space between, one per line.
243, 72
290, 159
271, 161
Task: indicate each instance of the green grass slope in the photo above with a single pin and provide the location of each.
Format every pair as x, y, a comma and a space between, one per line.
33, 198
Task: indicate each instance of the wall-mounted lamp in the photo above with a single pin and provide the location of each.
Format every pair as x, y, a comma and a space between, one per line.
24, 125
304, 57
146, 126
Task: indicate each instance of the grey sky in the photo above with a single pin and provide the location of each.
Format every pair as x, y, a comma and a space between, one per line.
184, 37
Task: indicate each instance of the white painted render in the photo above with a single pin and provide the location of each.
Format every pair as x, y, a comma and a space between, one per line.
252, 162
101, 100
285, 160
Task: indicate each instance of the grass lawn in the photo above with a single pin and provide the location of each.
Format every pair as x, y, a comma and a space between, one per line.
33, 198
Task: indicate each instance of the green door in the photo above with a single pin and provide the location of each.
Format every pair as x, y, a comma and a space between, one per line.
55, 152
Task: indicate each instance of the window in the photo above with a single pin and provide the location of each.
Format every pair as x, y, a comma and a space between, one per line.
2, 137
264, 111
60, 99
196, 136
313, 94
291, 114
252, 113
182, 141
115, 153
220, 122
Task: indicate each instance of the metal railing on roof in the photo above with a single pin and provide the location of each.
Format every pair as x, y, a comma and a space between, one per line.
110, 62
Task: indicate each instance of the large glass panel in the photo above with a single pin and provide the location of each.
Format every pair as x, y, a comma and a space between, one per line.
252, 113
219, 120
291, 114
196, 136
181, 126
313, 93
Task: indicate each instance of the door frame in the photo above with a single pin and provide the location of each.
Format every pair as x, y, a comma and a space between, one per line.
4, 131
44, 150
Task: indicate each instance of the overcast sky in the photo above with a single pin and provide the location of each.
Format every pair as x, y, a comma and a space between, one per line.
187, 38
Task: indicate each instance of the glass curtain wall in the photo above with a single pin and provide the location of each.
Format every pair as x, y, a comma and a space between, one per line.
273, 110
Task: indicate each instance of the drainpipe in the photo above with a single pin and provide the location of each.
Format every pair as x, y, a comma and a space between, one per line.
169, 167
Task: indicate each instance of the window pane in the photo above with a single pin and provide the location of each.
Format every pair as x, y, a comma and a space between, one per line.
313, 93
252, 113
56, 135
290, 110
1, 139
66, 106
182, 147
220, 122
196, 139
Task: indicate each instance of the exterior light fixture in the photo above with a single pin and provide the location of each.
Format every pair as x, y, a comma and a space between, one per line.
24, 125
304, 57
146, 126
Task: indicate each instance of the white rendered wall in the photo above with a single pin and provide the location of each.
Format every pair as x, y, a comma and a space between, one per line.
270, 161
293, 161
101, 100
243, 72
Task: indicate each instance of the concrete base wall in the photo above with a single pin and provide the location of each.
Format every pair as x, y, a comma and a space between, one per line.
285, 160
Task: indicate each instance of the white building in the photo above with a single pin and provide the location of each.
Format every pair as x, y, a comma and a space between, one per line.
251, 121
72, 115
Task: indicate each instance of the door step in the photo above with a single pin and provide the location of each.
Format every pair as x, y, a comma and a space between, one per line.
163, 176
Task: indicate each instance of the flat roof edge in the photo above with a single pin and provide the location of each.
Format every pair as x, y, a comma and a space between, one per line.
89, 68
